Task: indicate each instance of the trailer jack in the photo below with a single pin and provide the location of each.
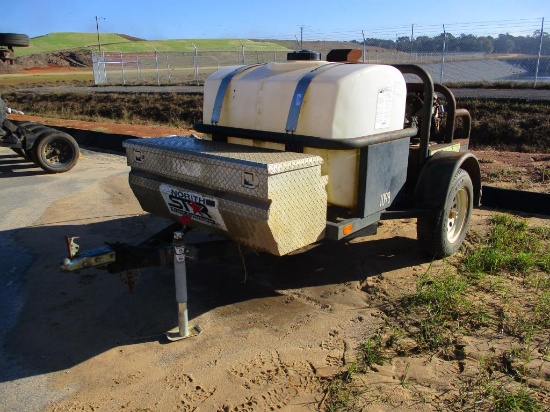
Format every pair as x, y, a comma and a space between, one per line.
180, 273
156, 251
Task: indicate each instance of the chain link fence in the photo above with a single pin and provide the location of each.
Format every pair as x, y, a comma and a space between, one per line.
511, 51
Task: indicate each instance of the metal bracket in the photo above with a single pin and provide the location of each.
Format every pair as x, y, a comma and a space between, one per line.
299, 94
72, 246
220, 95
93, 258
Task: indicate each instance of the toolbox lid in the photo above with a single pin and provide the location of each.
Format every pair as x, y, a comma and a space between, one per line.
266, 161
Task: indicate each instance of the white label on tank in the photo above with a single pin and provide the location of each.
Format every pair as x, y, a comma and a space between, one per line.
198, 207
384, 106
186, 167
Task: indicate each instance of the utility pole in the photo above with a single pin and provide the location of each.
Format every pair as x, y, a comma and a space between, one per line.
97, 31
302, 37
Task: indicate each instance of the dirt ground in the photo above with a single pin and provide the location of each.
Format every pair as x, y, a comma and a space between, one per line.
515, 170
272, 337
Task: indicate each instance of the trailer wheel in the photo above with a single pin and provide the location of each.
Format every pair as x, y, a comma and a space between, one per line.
55, 151
14, 40
440, 233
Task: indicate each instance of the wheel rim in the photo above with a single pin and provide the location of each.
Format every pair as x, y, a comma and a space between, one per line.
457, 215
58, 153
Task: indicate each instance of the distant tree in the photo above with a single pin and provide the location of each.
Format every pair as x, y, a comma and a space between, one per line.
404, 43
504, 43
486, 44
467, 43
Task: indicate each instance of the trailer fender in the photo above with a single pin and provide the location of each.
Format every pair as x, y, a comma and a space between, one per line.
434, 181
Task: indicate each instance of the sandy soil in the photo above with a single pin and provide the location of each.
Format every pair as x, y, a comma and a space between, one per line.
267, 342
514, 170
272, 338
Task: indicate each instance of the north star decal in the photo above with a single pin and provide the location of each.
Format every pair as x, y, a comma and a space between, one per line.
196, 206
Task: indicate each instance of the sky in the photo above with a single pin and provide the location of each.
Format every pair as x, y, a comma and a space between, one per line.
263, 19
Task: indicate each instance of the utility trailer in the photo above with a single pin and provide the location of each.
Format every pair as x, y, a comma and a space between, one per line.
50, 149
300, 151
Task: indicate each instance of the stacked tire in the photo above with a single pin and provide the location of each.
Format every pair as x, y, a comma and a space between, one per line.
14, 40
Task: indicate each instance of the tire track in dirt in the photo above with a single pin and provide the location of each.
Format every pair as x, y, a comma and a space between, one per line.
280, 382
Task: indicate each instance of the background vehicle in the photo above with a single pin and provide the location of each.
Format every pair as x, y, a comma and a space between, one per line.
51, 149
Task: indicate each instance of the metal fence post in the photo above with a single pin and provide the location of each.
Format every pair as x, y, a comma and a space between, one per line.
196, 64
122, 65
104, 66
137, 64
168, 67
412, 43
157, 64
443, 55
242, 46
364, 45
540, 51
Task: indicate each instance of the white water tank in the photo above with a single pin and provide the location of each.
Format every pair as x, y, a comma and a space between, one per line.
339, 101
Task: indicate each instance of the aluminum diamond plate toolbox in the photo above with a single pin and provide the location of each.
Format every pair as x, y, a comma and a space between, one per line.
265, 199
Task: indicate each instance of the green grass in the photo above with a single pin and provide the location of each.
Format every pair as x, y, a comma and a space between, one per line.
510, 247
111, 42
500, 287
187, 46
484, 392
66, 41
436, 311
370, 353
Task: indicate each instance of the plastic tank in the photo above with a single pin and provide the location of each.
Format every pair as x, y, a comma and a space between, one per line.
341, 101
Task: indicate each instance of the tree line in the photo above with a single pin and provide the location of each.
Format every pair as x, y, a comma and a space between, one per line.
466, 43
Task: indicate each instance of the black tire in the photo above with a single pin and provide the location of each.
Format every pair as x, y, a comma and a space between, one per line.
28, 125
441, 233
39, 130
55, 151
14, 40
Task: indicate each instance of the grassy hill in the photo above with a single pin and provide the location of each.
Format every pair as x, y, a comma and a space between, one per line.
66, 41
115, 42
